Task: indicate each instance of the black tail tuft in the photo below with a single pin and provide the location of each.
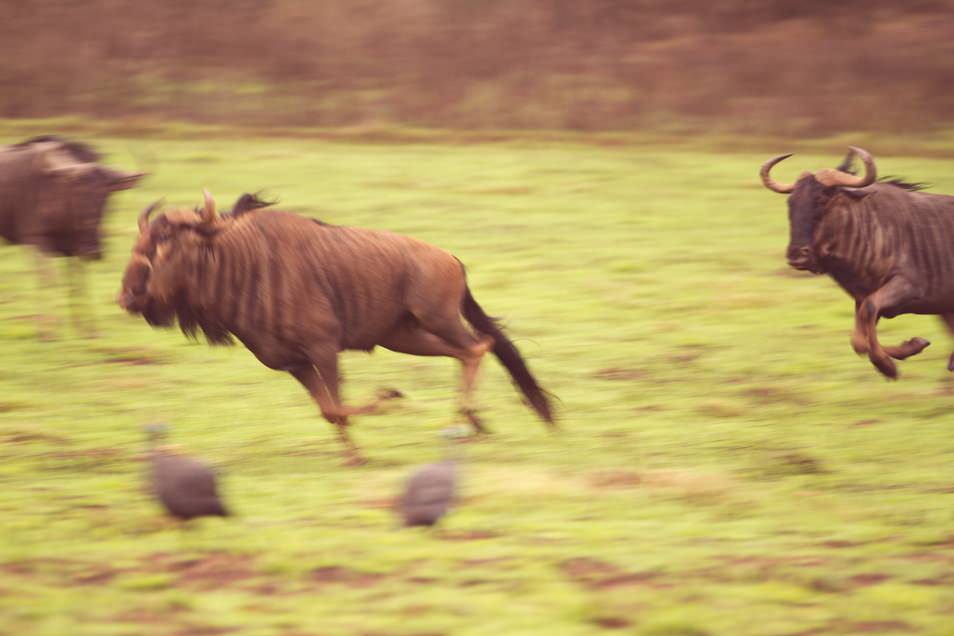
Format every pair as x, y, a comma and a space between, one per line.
508, 355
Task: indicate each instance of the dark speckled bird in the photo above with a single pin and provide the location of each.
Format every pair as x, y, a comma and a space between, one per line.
186, 487
432, 490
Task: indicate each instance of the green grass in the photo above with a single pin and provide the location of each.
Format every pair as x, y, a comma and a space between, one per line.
727, 466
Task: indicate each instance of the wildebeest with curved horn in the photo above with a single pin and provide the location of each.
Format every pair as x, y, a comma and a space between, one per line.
52, 196
890, 246
296, 292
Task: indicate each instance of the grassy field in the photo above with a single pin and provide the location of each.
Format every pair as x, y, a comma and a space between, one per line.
726, 466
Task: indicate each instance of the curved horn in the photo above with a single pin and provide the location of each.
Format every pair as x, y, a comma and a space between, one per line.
837, 177
208, 212
144, 217
769, 182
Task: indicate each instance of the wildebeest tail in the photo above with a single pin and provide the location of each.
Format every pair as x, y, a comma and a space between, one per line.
508, 355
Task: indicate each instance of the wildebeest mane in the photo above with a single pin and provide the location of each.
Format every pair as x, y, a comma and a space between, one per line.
79, 151
899, 182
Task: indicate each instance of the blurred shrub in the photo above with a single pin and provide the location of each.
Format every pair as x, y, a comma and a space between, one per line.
791, 65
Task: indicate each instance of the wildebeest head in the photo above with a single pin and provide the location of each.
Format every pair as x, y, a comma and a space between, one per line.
163, 259
78, 190
809, 198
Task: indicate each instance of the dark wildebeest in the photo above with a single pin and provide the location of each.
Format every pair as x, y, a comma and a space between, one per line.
297, 291
52, 196
888, 245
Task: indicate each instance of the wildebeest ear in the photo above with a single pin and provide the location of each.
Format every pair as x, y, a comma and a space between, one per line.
72, 170
248, 202
845, 165
118, 180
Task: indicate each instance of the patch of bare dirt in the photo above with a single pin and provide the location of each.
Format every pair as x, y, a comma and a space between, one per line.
868, 579
867, 422
878, 626
842, 544
613, 479
17, 437
95, 577
334, 574
597, 574
766, 395
467, 535
611, 622
209, 571
620, 374
131, 356
141, 616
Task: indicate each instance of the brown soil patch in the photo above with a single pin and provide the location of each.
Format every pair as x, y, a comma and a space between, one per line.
868, 579
99, 577
334, 574
202, 630
612, 622
868, 422
620, 374
597, 574
612, 479
468, 535
141, 616
774, 395
842, 544
131, 356
879, 626
23, 438
207, 572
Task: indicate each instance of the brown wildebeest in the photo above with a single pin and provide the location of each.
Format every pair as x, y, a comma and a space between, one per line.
296, 292
888, 245
52, 196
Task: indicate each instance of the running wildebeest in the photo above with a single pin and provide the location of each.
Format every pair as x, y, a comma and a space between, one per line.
888, 245
52, 196
296, 292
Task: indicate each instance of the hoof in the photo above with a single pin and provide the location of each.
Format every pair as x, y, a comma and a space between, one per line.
886, 367
389, 394
950, 363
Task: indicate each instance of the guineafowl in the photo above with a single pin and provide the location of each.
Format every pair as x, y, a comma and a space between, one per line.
432, 490
186, 487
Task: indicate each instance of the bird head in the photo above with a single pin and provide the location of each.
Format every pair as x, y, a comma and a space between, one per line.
156, 431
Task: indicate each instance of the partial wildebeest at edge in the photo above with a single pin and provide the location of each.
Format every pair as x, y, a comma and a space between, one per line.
888, 245
52, 196
296, 292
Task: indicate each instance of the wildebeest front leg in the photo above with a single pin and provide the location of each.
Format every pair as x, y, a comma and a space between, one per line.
45, 323
80, 309
859, 340
895, 292
323, 382
330, 410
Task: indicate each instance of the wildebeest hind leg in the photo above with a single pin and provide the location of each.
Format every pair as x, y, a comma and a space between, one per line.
414, 340
949, 321
894, 293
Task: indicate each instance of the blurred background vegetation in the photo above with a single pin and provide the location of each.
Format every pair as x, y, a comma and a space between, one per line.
789, 67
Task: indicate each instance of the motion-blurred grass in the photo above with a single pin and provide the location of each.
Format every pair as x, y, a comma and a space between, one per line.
726, 466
